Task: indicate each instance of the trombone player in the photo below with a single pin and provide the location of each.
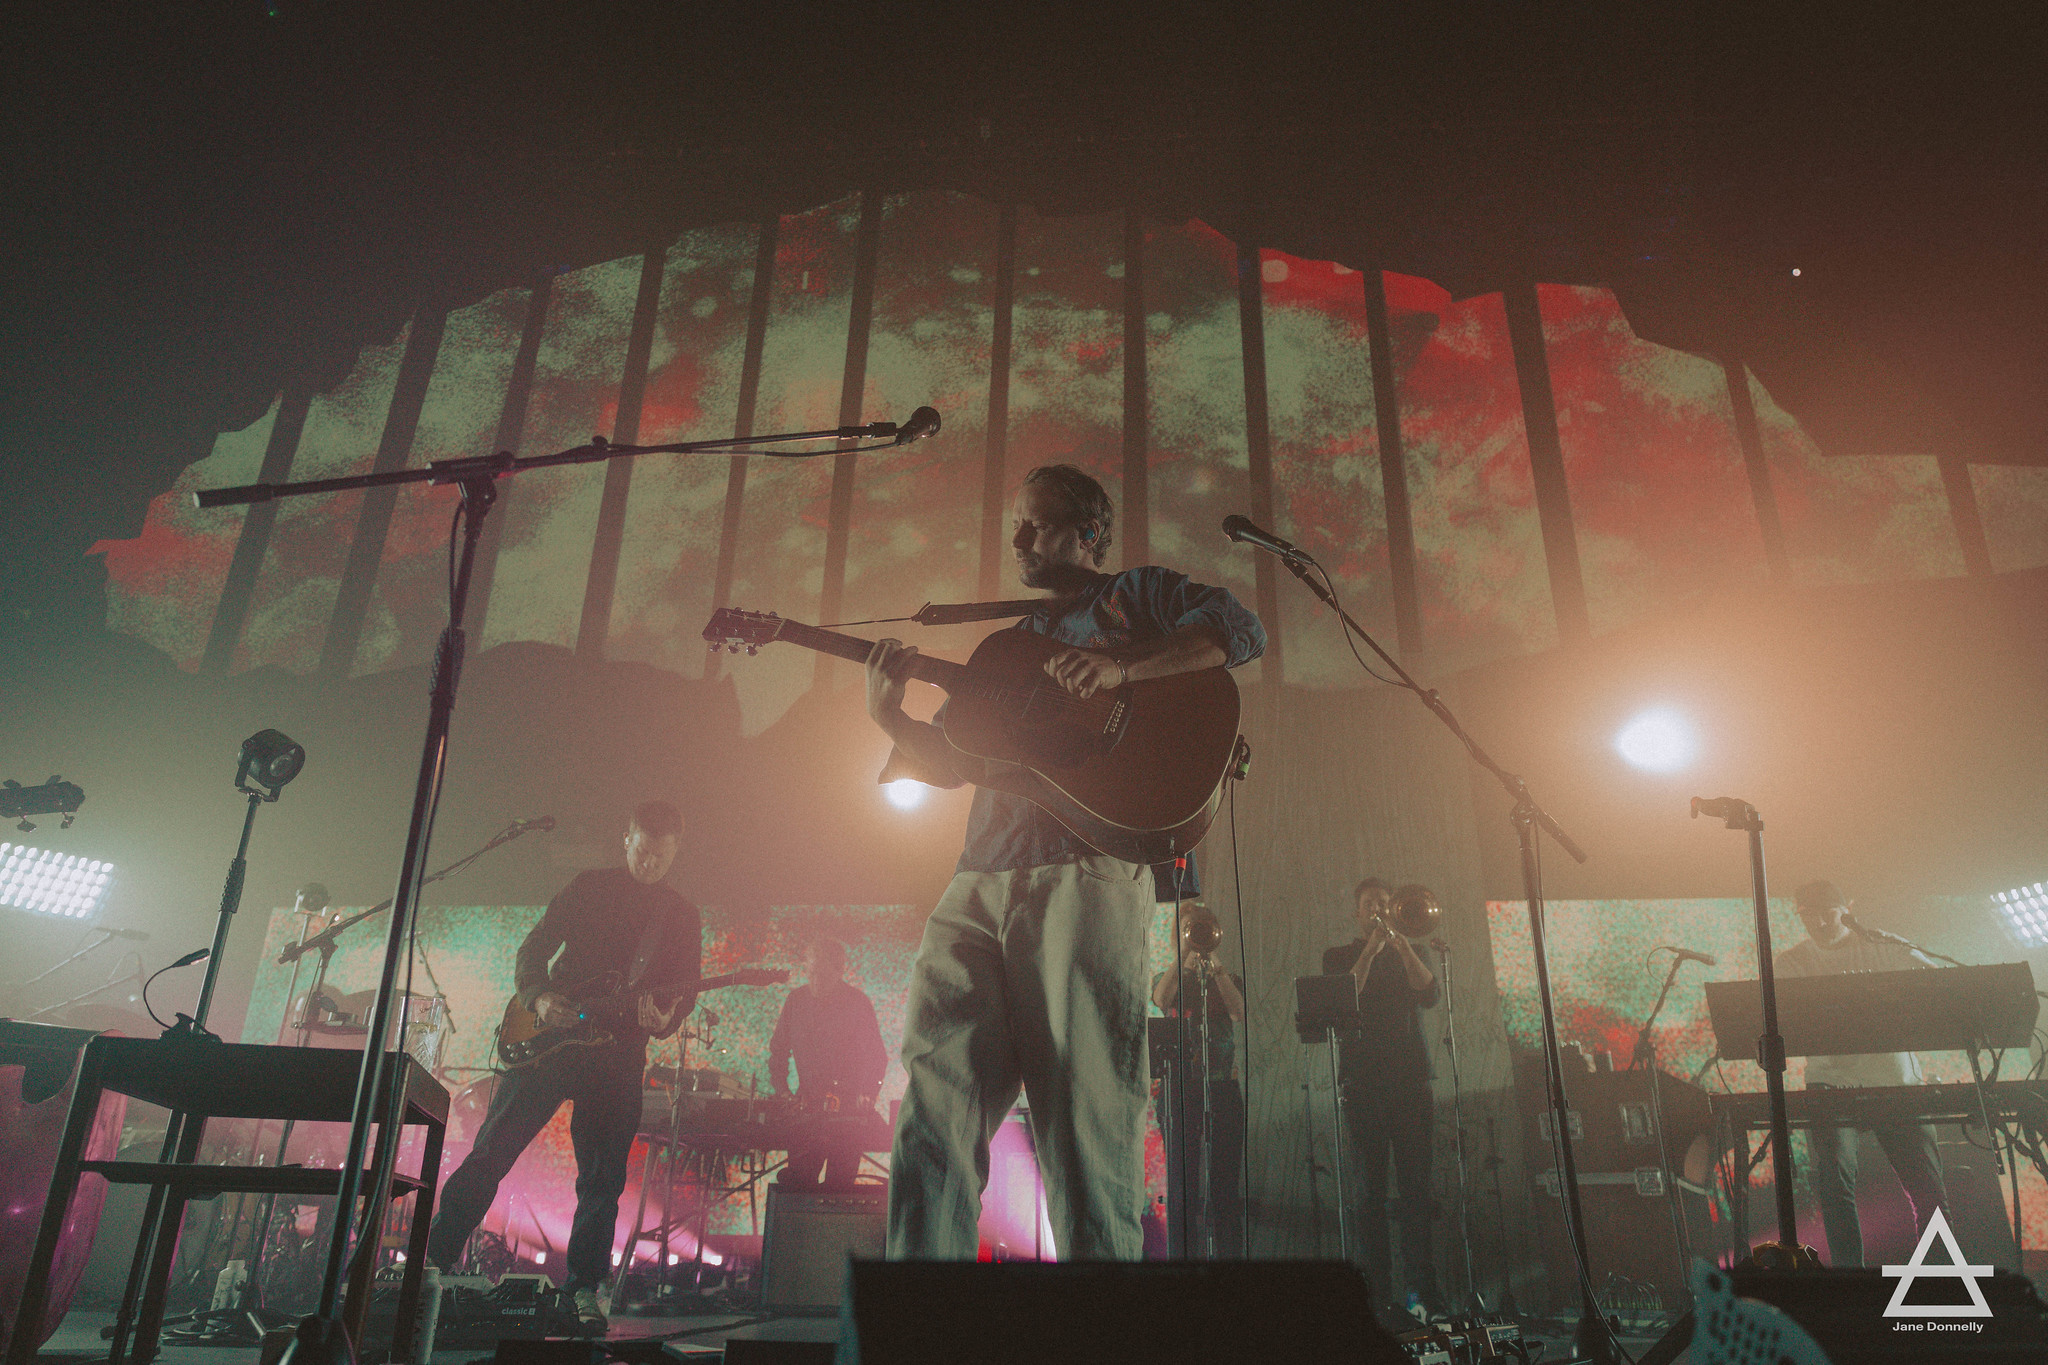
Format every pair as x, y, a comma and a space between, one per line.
1212, 999
1384, 1084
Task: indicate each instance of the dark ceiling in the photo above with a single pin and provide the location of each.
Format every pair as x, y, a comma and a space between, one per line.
207, 199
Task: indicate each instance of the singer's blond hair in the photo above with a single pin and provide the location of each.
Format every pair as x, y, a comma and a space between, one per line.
1086, 497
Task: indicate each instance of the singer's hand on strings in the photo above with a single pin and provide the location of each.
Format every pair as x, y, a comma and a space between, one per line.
889, 665
653, 1017
1084, 672
553, 1007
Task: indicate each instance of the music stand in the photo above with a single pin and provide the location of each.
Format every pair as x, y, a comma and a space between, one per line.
1323, 1007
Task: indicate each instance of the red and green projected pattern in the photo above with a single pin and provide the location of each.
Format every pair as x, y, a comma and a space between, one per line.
466, 955
1604, 981
1658, 490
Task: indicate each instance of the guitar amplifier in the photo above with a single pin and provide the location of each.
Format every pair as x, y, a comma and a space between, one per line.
809, 1238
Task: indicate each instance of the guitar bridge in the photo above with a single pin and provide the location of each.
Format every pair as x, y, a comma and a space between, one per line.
1119, 717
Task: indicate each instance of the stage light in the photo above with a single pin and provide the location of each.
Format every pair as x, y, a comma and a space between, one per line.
45, 882
270, 759
905, 793
1660, 740
2025, 910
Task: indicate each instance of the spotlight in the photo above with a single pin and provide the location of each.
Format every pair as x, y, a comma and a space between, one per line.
270, 759
50, 883
2025, 911
1660, 740
905, 793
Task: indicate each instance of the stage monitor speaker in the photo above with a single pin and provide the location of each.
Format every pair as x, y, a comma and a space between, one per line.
1187, 1312
808, 1239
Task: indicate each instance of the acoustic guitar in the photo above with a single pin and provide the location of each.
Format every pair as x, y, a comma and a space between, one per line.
1134, 771
600, 1007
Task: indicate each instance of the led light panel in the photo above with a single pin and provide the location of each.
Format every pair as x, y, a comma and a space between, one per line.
2025, 909
45, 882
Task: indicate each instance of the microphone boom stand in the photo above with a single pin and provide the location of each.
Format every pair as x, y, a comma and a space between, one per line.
1443, 955
1594, 1339
321, 1337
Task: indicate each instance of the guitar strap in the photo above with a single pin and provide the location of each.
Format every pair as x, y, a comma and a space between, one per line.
650, 944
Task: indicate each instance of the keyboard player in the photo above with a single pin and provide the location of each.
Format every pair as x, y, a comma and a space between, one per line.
1834, 945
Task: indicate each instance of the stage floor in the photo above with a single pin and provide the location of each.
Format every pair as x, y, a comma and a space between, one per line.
78, 1339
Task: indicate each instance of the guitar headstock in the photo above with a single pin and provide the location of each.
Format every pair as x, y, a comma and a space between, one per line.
735, 629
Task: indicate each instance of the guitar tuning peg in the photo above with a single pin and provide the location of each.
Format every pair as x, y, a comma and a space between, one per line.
752, 650
732, 647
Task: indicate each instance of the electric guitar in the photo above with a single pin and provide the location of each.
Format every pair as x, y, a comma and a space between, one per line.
1134, 771
599, 1007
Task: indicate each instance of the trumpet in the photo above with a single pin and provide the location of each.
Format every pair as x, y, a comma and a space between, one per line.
1412, 912
1202, 934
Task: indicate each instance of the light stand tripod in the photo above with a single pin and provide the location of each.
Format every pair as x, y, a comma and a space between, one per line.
1645, 1056
1785, 1253
1443, 956
321, 1337
1594, 1336
269, 760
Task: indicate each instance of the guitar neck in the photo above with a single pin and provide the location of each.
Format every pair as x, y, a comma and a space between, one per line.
938, 672
666, 990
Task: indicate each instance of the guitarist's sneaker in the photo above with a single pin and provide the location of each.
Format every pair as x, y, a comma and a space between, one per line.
590, 1314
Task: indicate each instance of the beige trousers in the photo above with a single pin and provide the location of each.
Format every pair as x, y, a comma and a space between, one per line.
1033, 978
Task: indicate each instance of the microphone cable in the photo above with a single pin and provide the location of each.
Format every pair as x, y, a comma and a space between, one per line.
185, 961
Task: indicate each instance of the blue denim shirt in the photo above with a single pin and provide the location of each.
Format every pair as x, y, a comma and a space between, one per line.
1005, 831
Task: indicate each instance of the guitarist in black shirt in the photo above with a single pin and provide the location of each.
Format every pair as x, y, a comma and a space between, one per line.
618, 920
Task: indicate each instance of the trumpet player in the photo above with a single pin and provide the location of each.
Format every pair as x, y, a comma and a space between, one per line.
1384, 1087
1210, 1078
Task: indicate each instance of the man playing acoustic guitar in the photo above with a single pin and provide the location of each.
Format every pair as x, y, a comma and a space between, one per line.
1034, 967
618, 920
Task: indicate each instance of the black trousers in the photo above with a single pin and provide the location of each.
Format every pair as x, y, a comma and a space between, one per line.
1397, 1121
602, 1086
1910, 1149
1226, 1168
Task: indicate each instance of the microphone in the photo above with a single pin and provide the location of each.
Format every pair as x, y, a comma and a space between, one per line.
1875, 935
189, 958
1688, 955
923, 422
1720, 807
542, 823
1242, 530
135, 934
